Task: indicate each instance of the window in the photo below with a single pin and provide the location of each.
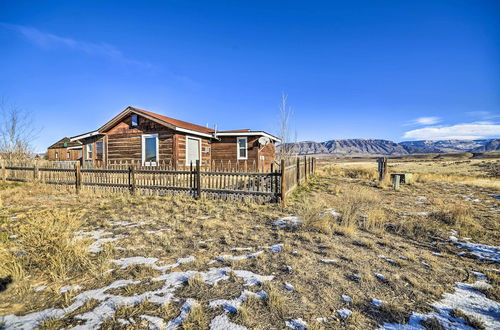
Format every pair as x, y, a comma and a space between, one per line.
89, 151
57, 155
150, 149
134, 121
68, 155
192, 150
98, 150
242, 148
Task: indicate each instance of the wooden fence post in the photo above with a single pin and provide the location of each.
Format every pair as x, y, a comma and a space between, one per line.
131, 179
36, 172
198, 180
78, 177
396, 181
283, 183
4, 171
305, 168
298, 171
382, 168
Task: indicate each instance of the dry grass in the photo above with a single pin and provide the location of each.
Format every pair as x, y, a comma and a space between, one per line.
44, 245
372, 222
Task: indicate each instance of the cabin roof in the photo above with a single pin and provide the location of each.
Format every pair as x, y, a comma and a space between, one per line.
176, 122
69, 143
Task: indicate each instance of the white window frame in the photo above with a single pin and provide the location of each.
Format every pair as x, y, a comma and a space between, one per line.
187, 149
56, 155
238, 147
68, 155
89, 151
143, 149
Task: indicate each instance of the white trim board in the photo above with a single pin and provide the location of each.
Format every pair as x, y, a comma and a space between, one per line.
238, 148
83, 136
250, 134
143, 149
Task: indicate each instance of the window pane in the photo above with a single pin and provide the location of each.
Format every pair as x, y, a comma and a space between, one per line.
243, 153
150, 149
99, 148
242, 143
134, 120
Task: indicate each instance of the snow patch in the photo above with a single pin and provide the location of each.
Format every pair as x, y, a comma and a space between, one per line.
481, 251
466, 299
344, 313
377, 302
69, 288
287, 222
233, 305
222, 322
296, 324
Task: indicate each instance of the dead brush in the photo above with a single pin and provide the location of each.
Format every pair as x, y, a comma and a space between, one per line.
353, 173
48, 247
354, 202
312, 213
454, 214
375, 220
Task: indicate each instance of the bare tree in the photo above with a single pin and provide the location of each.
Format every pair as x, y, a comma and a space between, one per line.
17, 131
286, 148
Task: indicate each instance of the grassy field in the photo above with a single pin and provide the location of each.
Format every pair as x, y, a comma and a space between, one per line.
349, 252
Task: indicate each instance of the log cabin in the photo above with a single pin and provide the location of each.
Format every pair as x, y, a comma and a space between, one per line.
137, 136
65, 150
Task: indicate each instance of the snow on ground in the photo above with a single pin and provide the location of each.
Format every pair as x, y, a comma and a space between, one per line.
222, 322
377, 302
296, 324
344, 313
481, 251
276, 248
232, 306
127, 224
69, 288
287, 222
333, 213
466, 299
228, 257
154, 321
109, 303
328, 261
99, 240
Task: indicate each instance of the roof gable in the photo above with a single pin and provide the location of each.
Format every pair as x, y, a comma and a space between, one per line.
61, 142
160, 119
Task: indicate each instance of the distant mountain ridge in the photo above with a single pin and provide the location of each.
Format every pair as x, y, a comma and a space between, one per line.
386, 147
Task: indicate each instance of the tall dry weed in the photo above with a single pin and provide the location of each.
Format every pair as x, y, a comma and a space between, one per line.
46, 246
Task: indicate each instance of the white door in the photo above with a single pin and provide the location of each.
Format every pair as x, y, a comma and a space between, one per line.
193, 150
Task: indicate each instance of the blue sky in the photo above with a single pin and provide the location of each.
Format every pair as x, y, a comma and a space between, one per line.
400, 70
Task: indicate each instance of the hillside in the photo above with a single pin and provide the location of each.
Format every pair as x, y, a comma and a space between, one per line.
386, 147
